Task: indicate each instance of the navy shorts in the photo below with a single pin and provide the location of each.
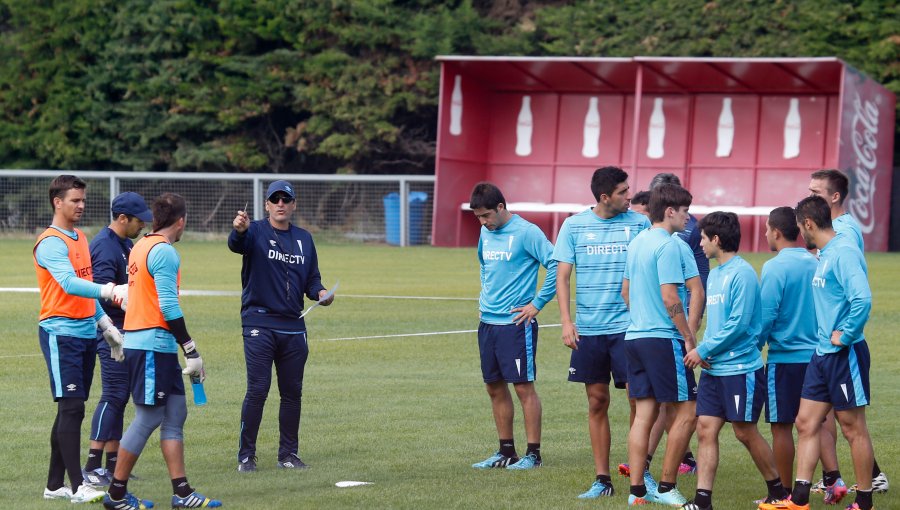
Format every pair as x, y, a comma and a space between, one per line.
597, 357
656, 370
840, 378
508, 351
733, 398
70, 363
153, 376
784, 382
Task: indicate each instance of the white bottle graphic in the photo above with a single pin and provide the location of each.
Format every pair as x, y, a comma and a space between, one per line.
591, 146
656, 131
792, 130
456, 105
524, 128
725, 134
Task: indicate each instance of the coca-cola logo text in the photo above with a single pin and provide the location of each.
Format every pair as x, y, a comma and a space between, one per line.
865, 141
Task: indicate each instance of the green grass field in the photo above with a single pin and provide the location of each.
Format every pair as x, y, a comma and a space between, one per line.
408, 413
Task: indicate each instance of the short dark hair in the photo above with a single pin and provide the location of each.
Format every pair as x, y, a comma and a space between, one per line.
63, 183
784, 220
814, 208
641, 198
168, 208
487, 195
664, 196
605, 180
837, 182
725, 225
664, 178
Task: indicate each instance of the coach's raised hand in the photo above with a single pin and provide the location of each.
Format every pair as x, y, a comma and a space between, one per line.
241, 222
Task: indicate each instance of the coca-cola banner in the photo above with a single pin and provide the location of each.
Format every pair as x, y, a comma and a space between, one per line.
865, 154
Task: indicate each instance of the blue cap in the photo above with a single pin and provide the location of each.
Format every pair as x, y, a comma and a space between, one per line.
132, 204
282, 186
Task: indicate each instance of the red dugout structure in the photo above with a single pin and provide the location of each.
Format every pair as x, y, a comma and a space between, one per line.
743, 135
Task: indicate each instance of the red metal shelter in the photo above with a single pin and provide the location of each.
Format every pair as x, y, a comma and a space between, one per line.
741, 133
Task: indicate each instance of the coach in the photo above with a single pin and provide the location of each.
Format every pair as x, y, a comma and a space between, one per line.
279, 266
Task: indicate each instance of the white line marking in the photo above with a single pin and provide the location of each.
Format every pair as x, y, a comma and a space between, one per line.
237, 293
406, 335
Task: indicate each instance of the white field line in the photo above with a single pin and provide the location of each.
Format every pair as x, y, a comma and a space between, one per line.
237, 293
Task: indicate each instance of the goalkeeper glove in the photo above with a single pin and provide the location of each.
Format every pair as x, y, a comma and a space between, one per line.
113, 337
193, 362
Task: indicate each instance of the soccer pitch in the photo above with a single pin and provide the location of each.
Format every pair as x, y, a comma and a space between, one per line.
386, 400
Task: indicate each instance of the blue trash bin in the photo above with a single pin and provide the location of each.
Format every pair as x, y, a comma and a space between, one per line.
417, 201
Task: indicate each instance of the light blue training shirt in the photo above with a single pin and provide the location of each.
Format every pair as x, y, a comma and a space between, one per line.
510, 257
733, 312
52, 253
654, 258
787, 307
689, 270
846, 224
598, 248
162, 263
841, 294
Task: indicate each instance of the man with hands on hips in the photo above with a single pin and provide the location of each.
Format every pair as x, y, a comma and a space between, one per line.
280, 266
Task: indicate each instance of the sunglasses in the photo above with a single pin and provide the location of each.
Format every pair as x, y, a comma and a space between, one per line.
281, 198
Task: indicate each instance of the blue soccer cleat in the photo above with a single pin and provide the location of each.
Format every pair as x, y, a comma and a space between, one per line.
598, 489
671, 498
497, 460
129, 502
195, 500
529, 461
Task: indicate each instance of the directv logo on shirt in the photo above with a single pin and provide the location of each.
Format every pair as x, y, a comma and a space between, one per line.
496, 255
285, 257
715, 299
605, 249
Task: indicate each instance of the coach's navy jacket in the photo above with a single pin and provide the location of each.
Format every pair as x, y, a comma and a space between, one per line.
109, 260
279, 267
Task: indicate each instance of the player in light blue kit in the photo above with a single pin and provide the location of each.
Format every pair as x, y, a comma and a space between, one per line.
595, 241
510, 253
787, 310
732, 385
838, 375
656, 342
834, 187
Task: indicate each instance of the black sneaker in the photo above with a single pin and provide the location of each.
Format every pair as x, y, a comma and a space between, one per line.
247, 465
292, 461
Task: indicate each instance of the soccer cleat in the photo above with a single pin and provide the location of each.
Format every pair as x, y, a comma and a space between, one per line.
61, 493
671, 498
529, 461
687, 469
624, 470
247, 465
97, 477
636, 500
651, 485
835, 493
598, 489
880, 483
497, 460
87, 493
292, 461
818, 487
195, 500
129, 502
770, 503
690, 505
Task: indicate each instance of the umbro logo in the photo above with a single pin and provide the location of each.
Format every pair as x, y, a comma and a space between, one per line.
571, 370
161, 394
591, 236
254, 332
71, 387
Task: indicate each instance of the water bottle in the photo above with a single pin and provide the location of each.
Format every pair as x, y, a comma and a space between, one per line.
199, 392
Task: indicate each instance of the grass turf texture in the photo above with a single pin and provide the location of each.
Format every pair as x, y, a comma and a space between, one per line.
409, 414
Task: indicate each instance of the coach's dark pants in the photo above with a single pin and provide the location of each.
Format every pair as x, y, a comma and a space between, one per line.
288, 352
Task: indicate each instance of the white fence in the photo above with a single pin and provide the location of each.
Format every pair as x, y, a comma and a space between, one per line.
356, 208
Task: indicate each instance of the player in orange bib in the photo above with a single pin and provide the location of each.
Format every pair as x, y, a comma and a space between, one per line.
69, 318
